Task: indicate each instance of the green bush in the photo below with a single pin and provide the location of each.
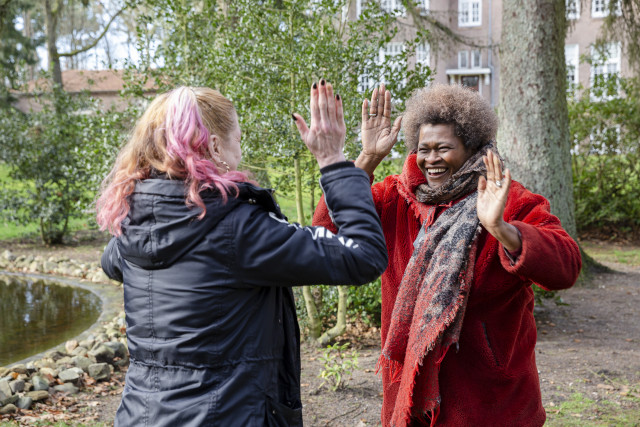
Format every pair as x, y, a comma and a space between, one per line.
57, 157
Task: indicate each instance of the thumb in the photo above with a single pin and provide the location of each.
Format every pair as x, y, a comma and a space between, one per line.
301, 125
395, 129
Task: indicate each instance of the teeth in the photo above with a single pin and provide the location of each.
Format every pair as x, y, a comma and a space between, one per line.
438, 170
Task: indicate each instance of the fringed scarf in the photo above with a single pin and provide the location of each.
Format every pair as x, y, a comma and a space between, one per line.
432, 297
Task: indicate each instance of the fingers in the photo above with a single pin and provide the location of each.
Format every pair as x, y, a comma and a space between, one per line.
322, 101
339, 111
482, 184
381, 100
301, 125
365, 110
497, 166
396, 129
387, 104
313, 104
373, 107
331, 101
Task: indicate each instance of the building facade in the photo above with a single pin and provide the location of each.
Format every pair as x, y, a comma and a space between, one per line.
474, 59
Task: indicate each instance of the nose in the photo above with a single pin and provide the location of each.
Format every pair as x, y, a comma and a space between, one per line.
432, 157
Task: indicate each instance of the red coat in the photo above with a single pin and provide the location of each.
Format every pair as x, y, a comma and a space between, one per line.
492, 380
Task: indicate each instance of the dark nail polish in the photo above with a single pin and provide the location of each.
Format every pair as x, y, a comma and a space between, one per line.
315, 86
322, 82
294, 117
337, 97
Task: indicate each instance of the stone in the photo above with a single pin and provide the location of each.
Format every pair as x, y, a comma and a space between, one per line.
66, 388
24, 402
5, 388
103, 354
31, 367
100, 371
71, 375
99, 277
55, 355
8, 399
49, 266
8, 409
119, 349
70, 345
28, 386
17, 386
61, 363
35, 267
4, 371
46, 363
79, 351
88, 343
8, 255
82, 362
102, 337
38, 395
112, 333
39, 383
21, 369
49, 372
77, 273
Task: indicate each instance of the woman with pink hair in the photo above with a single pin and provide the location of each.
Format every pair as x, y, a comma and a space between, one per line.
207, 260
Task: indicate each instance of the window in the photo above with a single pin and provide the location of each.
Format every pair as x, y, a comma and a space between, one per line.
469, 13
366, 82
472, 82
573, 9
571, 57
392, 51
393, 6
463, 59
423, 5
605, 65
423, 54
476, 59
600, 8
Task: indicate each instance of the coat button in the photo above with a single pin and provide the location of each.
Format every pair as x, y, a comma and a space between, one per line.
252, 201
279, 320
273, 412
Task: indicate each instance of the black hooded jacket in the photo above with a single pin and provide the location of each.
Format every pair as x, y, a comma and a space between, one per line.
211, 323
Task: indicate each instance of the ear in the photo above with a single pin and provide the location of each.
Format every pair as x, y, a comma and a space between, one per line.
214, 143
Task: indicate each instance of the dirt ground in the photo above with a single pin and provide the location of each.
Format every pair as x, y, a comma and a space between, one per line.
588, 356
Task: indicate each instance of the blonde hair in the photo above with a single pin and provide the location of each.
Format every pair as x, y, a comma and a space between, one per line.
173, 137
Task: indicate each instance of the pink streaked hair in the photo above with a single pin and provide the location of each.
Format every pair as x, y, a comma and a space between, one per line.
172, 136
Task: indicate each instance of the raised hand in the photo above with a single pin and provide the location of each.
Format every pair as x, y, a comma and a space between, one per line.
378, 136
325, 138
492, 199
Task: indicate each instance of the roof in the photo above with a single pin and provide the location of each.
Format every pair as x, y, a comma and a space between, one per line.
95, 81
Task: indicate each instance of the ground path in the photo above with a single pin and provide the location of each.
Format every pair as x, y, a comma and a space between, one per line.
588, 355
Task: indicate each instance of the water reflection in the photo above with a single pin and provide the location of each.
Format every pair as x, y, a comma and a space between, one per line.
35, 316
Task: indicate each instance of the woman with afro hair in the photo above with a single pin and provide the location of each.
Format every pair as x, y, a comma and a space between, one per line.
465, 243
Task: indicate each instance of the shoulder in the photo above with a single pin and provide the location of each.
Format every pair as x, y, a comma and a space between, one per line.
520, 197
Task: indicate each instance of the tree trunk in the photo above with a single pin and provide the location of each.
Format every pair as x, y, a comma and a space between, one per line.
341, 318
51, 22
534, 122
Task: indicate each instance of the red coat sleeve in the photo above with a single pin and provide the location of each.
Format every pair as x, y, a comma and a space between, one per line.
550, 257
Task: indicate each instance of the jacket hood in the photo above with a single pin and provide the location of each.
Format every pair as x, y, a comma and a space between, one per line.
160, 227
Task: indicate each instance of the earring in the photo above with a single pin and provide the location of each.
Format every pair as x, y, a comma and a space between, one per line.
226, 165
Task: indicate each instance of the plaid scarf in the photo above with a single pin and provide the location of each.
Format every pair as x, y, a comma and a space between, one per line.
432, 297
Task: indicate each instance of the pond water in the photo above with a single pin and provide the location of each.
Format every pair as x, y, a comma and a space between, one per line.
38, 315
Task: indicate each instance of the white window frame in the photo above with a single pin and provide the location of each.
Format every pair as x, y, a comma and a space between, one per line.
573, 9
476, 58
605, 9
424, 5
465, 13
572, 59
394, 7
391, 49
423, 53
611, 66
463, 59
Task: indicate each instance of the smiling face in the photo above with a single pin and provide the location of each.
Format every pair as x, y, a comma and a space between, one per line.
440, 153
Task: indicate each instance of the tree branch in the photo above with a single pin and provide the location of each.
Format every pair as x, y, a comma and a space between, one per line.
95, 41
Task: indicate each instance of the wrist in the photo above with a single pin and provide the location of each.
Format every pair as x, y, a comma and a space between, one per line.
368, 162
329, 160
508, 235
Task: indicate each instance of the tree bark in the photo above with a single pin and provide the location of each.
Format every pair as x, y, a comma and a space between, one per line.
534, 122
51, 22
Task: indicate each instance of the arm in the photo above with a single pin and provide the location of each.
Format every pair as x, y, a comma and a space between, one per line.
273, 252
549, 256
110, 261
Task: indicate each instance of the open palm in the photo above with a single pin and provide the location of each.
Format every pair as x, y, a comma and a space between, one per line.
378, 137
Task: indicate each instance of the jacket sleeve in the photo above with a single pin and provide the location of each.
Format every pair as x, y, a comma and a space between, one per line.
110, 261
550, 257
321, 216
272, 252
